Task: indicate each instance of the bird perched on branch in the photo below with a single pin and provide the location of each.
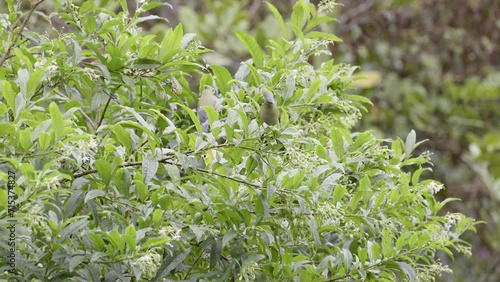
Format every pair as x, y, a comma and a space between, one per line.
207, 98
269, 112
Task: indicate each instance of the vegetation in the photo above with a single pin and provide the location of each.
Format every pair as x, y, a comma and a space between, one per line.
115, 179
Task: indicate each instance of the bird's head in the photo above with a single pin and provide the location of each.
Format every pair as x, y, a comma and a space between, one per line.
209, 89
268, 96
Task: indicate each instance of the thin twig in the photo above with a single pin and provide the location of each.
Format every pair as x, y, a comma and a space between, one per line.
88, 119
107, 105
104, 112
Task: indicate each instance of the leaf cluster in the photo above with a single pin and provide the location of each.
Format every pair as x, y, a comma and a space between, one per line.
117, 181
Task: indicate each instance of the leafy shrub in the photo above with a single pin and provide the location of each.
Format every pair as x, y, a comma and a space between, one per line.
116, 181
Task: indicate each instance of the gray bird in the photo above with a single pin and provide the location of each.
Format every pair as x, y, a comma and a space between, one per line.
207, 98
269, 112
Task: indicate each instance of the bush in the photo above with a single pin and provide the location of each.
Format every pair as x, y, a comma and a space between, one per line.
115, 180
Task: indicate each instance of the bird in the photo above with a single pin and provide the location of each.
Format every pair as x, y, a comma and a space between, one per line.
207, 98
269, 112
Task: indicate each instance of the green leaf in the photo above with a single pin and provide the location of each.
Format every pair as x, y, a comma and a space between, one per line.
74, 202
117, 60
124, 5
149, 168
73, 226
339, 137
90, 25
374, 251
170, 43
123, 182
408, 270
313, 228
130, 237
215, 253
212, 114
257, 79
153, 242
175, 261
94, 194
298, 15
387, 239
151, 5
416, 175
44, 141
397, 147
252, 46
116, 240
222, 78
122, 136
86, 7
105, 170
173, 172
135, 125
402, 240
359, 98
98, 241
75, 261
27, 170
317, 21
228, 237
57, 126
338, 193
319, 34
423, 240
9, 95
411, 139
193, 117
25, 139
141, 190
413, 240
279, 18
157, 217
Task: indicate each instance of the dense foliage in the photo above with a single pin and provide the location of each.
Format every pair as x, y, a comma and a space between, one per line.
115, 180
440, 75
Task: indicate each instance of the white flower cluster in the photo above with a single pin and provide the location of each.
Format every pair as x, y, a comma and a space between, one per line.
334, 214
426, 155
248, 271
327, 5
172, 232
92, 73
82, 151
298, 158
451, 220
50, 70
430, 272
148, 263
435, 187
50, 182
34, 220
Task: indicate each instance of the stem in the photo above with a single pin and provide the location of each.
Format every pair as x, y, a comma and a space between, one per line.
6, 55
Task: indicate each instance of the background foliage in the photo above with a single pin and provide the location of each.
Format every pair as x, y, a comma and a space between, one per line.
120, 163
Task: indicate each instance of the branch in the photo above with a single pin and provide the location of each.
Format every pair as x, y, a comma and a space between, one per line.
104, 112
87, 172
6, 55
216, 173
167, 161
88, 119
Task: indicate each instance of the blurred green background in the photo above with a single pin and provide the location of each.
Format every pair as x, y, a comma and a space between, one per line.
428, 65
